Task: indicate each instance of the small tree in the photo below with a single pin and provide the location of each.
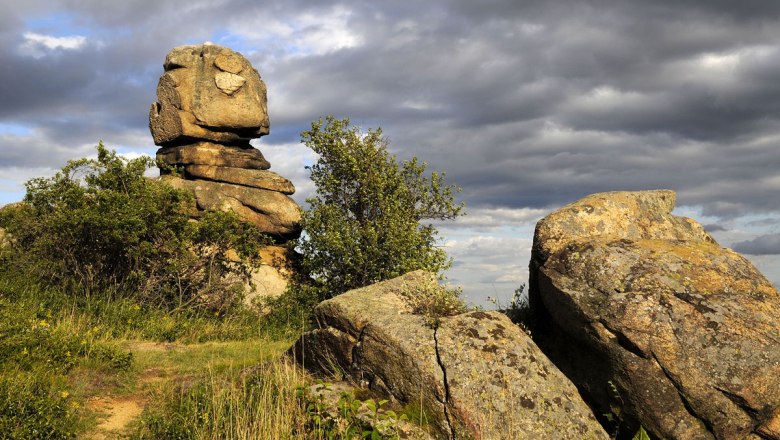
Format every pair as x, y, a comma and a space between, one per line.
364, 224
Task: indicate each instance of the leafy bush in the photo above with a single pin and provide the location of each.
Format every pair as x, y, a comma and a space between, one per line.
32, 407
364, 225
350, 417
100, 226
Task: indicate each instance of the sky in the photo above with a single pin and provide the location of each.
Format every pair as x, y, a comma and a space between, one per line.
526, 104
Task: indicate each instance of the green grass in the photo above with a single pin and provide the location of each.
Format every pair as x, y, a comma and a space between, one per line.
58, 352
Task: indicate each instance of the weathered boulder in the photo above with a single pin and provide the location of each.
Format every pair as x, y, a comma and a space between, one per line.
272, 212
207, 153
263, 179
476, 374
629, 295
208, 92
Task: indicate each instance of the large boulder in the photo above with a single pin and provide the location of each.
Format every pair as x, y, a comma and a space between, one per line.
272, 212
208, 92
629, 296
475, 374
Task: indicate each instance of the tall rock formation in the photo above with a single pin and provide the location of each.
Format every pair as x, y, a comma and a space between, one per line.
642, 309
210, 103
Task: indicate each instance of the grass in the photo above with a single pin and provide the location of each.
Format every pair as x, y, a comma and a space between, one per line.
250, 403
67, 364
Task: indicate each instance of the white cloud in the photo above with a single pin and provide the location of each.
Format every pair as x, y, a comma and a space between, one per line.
495, 218
38, 45
304, 34
289, 160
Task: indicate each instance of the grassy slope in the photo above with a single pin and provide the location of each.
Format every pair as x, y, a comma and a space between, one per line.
76, 369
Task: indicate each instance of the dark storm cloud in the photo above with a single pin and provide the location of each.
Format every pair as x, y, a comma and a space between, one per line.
526, 104
715, 228
764, 245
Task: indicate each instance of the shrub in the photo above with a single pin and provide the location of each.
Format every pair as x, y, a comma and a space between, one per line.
364, 224
433, 301
99, 225
32, 407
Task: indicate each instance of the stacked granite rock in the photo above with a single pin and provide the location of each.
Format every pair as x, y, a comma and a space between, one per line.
211, 103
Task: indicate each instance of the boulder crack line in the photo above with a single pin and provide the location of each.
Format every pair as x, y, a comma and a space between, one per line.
446, 384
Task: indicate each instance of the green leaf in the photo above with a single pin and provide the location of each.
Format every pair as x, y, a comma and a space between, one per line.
641, 434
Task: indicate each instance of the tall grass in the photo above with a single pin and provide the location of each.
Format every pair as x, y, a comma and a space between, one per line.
259, 403
51, 341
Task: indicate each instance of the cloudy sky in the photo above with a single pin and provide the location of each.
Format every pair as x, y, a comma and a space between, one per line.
526, 104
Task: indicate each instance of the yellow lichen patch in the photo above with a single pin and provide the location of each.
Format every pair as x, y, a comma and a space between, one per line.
616, 215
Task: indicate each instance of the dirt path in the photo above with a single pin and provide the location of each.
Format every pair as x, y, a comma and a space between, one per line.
121, 411
159, 365
116, 413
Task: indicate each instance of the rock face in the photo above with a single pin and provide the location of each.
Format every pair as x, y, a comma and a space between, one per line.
270, 278
629, 295
476, 375
210, 103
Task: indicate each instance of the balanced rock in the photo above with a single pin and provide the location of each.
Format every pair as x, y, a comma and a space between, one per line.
475, 375
211, 93
632, 297
271, 211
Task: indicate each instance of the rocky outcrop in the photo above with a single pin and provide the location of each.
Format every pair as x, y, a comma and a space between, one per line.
210, 103
475, 374
629, 296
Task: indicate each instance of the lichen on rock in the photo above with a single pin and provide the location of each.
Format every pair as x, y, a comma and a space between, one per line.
686, 330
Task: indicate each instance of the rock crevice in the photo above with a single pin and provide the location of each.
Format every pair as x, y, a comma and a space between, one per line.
446, 385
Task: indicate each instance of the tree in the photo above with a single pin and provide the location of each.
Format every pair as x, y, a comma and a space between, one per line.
364, 224
100, 226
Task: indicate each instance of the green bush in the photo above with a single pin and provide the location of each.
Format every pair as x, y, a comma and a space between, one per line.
99, 226
364, 224
32, 407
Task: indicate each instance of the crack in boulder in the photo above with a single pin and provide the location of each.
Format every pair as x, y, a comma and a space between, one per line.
446, 402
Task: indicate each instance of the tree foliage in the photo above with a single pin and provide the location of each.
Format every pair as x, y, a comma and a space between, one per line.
367, 222
100, 225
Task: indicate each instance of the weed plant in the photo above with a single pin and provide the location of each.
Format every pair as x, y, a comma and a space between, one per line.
518, 310
433, 301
